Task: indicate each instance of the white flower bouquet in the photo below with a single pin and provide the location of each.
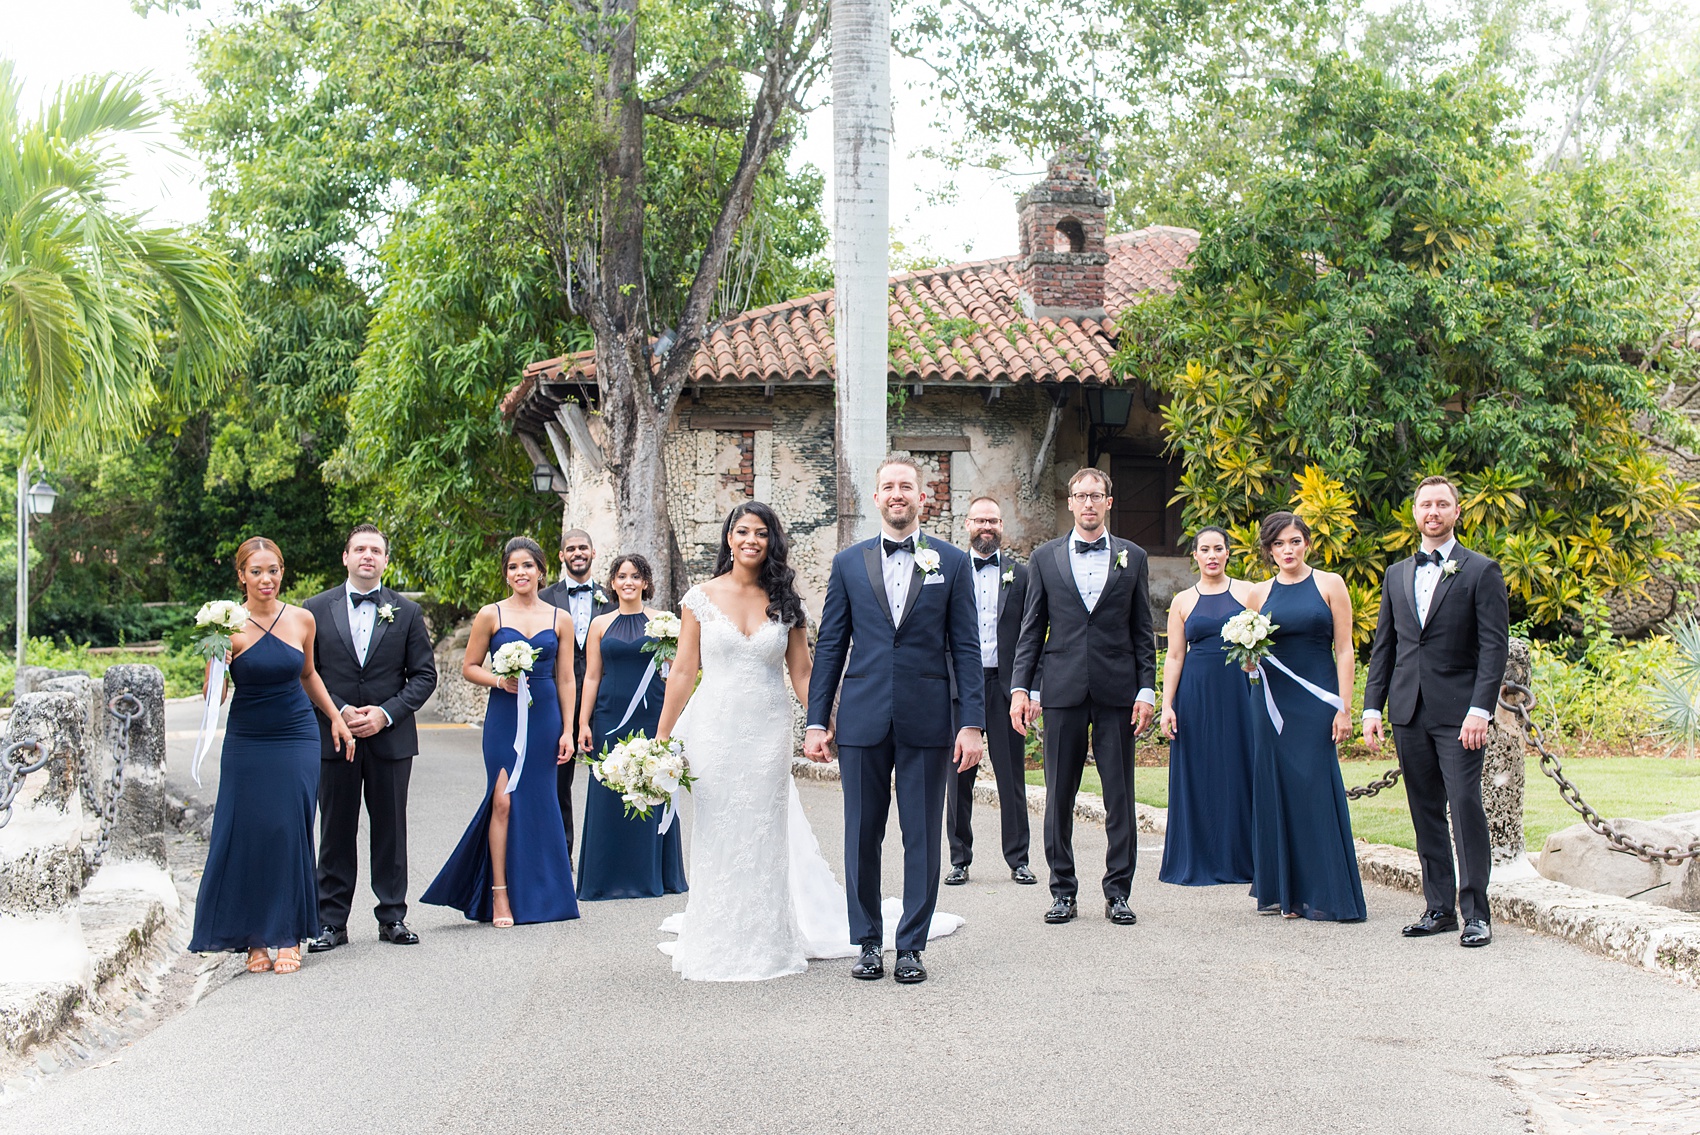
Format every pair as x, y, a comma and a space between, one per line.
514, 660
1250, 638
644, 772
664, 629
221, 618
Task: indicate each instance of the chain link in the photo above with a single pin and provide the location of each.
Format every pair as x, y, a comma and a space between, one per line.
1520, 700
105, 803
1386, 780
12, 773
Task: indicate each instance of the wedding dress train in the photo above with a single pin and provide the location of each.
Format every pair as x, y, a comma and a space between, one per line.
763, 899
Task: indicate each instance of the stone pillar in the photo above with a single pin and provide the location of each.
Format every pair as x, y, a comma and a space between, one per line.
1502, 766
41, 855
138, 834
34, 678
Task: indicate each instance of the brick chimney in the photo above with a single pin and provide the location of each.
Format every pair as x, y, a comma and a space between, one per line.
1061, 265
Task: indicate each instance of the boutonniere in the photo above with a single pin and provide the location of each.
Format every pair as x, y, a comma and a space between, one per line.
1121, 558
925, 558
1009, 575
387, 613
1450, 567
599, 595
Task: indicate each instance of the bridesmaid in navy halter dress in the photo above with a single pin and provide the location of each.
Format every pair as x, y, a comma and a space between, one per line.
512, 865
1305, 863
258, 889
620, 857
1207, 716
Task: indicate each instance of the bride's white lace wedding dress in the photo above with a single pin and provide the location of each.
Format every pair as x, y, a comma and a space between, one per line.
762, 899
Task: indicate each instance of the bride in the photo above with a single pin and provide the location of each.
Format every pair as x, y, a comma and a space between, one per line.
762, 900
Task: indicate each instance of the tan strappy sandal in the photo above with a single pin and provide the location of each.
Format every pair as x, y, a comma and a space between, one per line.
259, 961
500, 923
288, 959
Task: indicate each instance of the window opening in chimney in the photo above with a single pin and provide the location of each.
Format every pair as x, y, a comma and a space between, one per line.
1070, 236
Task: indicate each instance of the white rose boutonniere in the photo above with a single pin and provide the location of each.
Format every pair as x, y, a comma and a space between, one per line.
1121, 558
387, 613
600, 596
1009, 575
925, 557
1450, 567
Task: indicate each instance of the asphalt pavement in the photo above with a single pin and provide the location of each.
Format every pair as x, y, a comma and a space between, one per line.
1205, 1017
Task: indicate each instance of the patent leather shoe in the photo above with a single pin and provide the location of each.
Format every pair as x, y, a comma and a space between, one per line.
330, 937
1118, 912
870, 966
1063, 910
1432, 922
909, 970
1476, 933
397, 933
957, 877
1023, 875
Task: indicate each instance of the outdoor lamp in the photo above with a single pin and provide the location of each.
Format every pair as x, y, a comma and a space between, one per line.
1109, 405
542, 477
41, 497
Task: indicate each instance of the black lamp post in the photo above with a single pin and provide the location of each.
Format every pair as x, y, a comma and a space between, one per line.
1107, 409
543, 477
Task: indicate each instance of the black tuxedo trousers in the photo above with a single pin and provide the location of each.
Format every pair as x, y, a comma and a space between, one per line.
1007, 753
383, 783
1443, 777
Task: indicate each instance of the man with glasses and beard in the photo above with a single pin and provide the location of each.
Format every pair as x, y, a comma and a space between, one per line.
1000, 593
583, 600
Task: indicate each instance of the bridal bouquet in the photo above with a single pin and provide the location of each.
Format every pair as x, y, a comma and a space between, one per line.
644, 772
514, 660
1250, 637
664, 629
221, 618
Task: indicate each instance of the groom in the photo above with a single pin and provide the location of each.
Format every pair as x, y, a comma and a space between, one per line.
900, 612
1437, 664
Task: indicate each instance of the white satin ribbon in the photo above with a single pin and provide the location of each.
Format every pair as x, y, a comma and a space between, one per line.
670, 811
1309, 686
521, 731
637, 698
209, 717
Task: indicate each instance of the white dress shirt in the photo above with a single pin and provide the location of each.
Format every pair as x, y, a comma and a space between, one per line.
899, 570
578, 606
987, 583
1428, 577
362, 618
1091, 571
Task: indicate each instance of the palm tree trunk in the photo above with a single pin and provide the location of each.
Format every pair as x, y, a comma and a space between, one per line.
861, 144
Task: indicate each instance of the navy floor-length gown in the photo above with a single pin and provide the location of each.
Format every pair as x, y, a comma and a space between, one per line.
539, 871
621, 858
1305, 862
1209, 830
259, 888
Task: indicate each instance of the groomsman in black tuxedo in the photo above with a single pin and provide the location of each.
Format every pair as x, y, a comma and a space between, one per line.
1000, 591
583, 600
1436, 666
374, 654
1088, 613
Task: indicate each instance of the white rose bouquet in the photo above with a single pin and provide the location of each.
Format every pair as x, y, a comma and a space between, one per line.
222, 619
644, 772
514, 660
664, 629
1250, 638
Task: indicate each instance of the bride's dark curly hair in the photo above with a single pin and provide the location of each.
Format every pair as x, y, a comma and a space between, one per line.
777, 577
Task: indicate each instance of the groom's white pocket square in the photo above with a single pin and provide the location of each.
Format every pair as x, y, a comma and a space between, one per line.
928, 581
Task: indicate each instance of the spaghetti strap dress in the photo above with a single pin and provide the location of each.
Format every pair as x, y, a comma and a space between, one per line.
259, 887
539, 873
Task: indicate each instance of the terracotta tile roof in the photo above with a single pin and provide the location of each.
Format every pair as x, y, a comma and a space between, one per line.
959, 323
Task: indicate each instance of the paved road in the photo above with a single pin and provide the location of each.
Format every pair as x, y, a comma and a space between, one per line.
1203, 1018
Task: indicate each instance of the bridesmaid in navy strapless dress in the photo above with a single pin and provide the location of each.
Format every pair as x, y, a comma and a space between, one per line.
623, 858
1306, 865
538, 873
1209, 830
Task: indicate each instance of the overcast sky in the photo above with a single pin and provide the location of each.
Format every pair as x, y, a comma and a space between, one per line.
53, 41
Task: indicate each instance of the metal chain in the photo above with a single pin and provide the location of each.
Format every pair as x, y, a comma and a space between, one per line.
1520, 700
1387, 780
105, 805
12, 773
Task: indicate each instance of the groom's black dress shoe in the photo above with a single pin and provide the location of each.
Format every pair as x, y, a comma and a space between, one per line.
870, 966
398, 933
909, 970
957, 877
1023, 876
1432, 922
1063, 910
1118, 912
1476, 933
330, 937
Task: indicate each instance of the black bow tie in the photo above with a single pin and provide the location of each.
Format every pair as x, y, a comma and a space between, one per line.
907, 544
989, 561
1433, 557
1101, 544
579, 589
359, 597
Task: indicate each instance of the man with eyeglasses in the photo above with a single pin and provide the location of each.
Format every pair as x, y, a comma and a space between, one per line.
583, 600
1088, 615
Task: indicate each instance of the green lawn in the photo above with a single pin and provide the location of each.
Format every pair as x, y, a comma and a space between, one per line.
1643, 787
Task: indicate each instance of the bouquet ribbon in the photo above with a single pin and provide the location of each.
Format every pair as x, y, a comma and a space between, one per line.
1308, 686
209, 717
521, 733
637, 697
670, 812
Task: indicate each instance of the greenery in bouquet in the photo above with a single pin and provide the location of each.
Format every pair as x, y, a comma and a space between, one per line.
1250, 636
216, 622
643, 771
664, 629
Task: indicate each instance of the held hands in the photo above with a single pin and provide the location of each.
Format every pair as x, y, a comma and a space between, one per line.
970, 747
815, 743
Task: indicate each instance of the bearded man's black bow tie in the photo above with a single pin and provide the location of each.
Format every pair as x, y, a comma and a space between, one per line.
1101, 544
989, 561
907, 544
359, 597
579, 589
1433, 557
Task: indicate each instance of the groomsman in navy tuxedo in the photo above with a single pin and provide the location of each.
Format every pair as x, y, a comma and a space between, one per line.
1000, 592
583, 600
899, 617
1436, 666
374, 654
1089, 615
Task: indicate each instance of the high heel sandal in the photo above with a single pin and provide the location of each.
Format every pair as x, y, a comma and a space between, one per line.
500, 923
259, 961
288, 959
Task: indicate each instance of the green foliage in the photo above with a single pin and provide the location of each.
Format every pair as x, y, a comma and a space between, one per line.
1675, 693
184, 672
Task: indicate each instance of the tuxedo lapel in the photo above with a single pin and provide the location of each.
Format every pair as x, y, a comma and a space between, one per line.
1117, 550
378, 625
1405, 583
876, 579
339, 616
1003, 586
1066, 569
